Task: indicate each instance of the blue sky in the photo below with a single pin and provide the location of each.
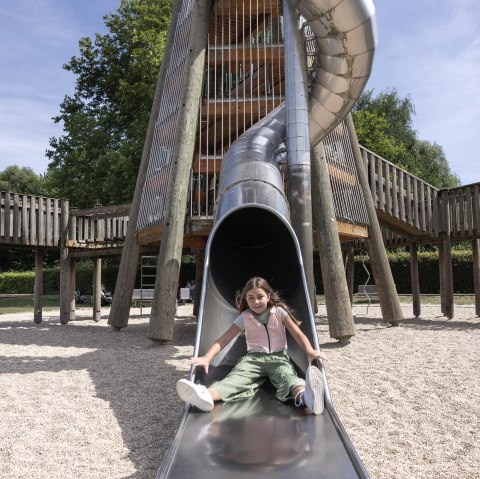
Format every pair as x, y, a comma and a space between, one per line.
428, 50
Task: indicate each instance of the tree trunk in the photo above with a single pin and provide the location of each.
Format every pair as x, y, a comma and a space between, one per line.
170, 255
122, 297
387, 293
337, 298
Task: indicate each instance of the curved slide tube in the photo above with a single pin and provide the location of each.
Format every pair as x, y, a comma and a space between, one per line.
252, 235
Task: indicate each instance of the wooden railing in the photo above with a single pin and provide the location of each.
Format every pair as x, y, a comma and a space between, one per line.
98, 227
29, 220
401, 195
460, 212
36, 221
405, 202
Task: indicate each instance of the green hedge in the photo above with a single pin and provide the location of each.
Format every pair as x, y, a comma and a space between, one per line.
428, 271
23, 282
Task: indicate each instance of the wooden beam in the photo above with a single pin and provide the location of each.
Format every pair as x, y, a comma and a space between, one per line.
337, 297
415, 280
349, 230
476, 274
206, 165
226, 54
162, 314
112, 211
387, 291
122, 296
38, 286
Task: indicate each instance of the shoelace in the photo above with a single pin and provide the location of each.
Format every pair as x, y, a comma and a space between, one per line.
299, 398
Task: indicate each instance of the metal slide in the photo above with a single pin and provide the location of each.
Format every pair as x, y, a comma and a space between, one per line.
253, 236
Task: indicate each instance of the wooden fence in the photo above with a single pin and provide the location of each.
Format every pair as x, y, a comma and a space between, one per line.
30, 220
401, 195
36, 221
98, 227
405, 202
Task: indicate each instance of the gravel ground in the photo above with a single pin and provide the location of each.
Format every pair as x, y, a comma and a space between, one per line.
84, 401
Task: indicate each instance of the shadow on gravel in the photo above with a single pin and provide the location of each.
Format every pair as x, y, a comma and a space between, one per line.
133, 374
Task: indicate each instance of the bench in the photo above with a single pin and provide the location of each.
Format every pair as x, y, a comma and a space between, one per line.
367, 289
140, 294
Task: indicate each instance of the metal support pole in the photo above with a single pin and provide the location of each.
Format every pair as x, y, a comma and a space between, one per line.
298, 143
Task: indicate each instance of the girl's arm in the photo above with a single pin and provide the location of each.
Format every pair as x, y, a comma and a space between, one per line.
215, 348
302, 340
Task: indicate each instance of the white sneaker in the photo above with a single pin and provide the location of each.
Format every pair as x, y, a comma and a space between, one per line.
313, 396
195, 394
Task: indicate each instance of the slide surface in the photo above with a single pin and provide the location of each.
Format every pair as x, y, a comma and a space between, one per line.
252, 236
260, 435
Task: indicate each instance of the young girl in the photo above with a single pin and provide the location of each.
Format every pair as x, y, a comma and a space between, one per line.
263, 317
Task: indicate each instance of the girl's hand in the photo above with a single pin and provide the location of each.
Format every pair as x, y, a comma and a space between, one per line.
314, 354
201, 361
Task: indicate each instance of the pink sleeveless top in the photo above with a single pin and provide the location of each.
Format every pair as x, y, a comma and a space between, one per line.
265, 338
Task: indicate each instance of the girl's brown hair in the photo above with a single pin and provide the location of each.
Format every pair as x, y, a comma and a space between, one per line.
275, 298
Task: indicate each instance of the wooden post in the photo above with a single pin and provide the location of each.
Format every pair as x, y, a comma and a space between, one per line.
65, 266
170, 255
337, 298
387, 293
198, 279
122, 297
97, 289
441, 274
71, 287
350, 268
476, 274
448, 277
38, 287
414, 279
446, 262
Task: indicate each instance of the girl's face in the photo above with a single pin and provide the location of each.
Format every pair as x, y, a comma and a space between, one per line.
257, 300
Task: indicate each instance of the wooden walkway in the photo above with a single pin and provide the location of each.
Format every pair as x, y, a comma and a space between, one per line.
410, 210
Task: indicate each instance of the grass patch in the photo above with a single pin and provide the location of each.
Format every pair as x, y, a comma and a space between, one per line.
459, 299
23, 303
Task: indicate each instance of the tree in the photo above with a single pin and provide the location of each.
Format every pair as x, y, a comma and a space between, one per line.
21, 180
105, 120
384, 125
372, 131
433, 165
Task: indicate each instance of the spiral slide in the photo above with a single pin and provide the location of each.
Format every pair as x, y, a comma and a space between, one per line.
253, 236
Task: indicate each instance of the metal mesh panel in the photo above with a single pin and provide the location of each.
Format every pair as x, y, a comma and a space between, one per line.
243, 83
154, 196
347, 192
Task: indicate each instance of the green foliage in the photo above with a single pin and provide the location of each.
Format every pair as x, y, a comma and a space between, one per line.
384, 125
21, 180
23, 282
105, 120
428, 271
372, 132
21, 259
17, 283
